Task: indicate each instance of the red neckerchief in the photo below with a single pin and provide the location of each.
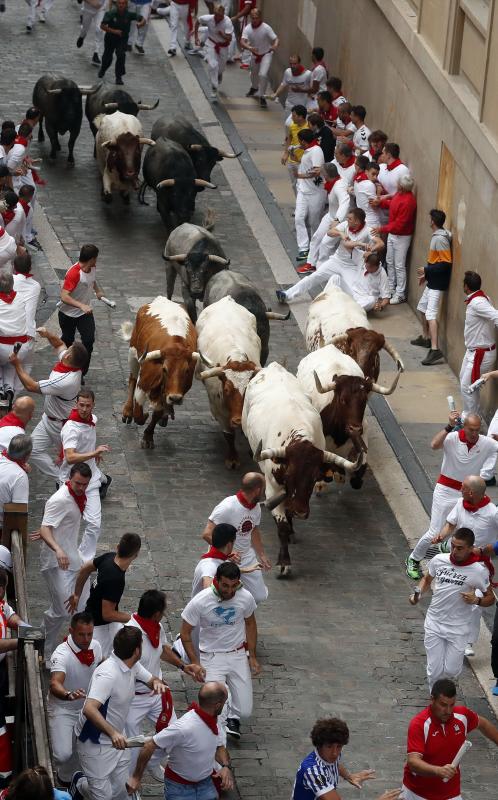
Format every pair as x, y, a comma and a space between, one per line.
329, 185
8, 215
21, 464
164, 717
349, 162
314, 143
373, 153
394, 164
472, 508
297, 70
244, 501
24, 274
474, 559
60, 367
25, 206
356, 230
8, 298
12, 419
85, 657
79, 499
213, 552
2, 231
21, 140
255, 25
75, 417
150, 627
463, 438
210, 721
362, 176
479, 293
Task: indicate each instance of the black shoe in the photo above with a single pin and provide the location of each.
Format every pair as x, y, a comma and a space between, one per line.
172, 52
28, 28
491, 481
139, 49
2, 8
119, 82
263, 103
9, 397
96, 59
432, 357
252, 91
421, 341
104, 487
79, 41
233, 728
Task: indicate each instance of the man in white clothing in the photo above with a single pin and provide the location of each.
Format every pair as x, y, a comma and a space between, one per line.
219, 35
72, 665
14, 483
224, 613
222, 546
261, 41
8, 249
465, 452
60, 389
28, 289
12, 334
40, 6
60, 559
345, 161
296, 81
14, 423
481, 319
92, 14
100, 729
371, 287
459, 581
137, 34
364, 191
310, 196
179, 12
362, 132
391, 168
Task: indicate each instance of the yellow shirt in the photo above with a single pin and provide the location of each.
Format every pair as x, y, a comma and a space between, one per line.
294, 128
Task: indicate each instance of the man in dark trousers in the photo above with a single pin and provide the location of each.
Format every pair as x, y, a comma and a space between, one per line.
116, 26
75, 310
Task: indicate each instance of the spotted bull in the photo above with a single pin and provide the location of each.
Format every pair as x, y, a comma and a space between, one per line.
119, 143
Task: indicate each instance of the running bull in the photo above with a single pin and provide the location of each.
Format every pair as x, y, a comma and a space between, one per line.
119, 143
107, 100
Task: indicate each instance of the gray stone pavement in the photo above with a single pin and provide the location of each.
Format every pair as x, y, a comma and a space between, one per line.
337, 638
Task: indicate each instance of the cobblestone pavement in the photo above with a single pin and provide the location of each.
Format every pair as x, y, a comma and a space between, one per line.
339, 637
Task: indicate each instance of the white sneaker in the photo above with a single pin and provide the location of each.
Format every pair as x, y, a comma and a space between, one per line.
156, 772
214, 94
469, 651
396, 300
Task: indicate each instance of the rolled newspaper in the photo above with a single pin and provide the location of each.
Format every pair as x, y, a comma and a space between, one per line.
137, 741
456, 761
108, 302
451, 402
476, 385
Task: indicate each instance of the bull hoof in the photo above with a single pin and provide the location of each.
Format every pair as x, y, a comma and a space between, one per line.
285, 571
141, 420
126, 418
125, 198
107, 198
163, 422
356, 483
232, 463
147, 444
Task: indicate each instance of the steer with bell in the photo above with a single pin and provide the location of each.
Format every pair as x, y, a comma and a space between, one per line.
286, 436
162, 359
119, 143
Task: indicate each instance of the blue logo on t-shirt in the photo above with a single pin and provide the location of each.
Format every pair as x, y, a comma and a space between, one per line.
226, 614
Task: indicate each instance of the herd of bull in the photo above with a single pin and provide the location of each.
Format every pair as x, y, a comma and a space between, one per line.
303, 429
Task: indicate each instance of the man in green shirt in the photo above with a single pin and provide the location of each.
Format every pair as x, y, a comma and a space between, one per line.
116, 25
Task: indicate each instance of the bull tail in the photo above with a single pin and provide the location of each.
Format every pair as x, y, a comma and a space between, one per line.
209, 219
126, 330
141, 194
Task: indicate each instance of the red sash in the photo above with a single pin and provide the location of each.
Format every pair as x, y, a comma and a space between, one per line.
477, 363
449, 482
164, 717
218, 45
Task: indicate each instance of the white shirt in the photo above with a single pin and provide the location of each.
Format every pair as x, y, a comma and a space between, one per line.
8, 250
459, 461
339, 101
303, 81
13, 317
60, 390
112, 683
16, 156
7, 433
347, 173
363, 191
448, 614
151, 656
319, 73
215, 29
29, 290
63, 516
78, 675
481, 318
352, 258
191, 746
16, 226
232, 512
222, 622
339, 200
260, 38
483, 522
389, 177
360, 138
206, 568
14, 483
80, 286
82, 438
373, 284
312, 157
6, 613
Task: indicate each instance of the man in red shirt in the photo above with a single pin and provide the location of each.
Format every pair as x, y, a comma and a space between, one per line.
402, 213
75, 310
435, 735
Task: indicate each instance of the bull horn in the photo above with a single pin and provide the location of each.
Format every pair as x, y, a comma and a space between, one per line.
196, 356
150, 356
229, 155
376, 387
394, 355
107, 143
272, 452
144, 140
206, 360
341, 338
215, 372
275, 315
207, 184
111, 105
148, 106
166, 182
89, 89
196, 147
319, 387
275, 501
180, 258
332, 458
54, 91
219, 260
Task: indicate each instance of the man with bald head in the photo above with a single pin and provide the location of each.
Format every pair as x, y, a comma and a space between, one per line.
465, 452
193, 743
242, 510
15, 422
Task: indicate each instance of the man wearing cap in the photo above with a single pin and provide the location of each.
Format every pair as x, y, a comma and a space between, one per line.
14, 484
14, 423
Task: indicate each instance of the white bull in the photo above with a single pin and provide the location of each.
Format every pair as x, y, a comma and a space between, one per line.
118, 144
231, 349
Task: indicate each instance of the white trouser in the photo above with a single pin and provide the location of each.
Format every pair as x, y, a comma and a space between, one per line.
61, 722
309, 211
44, 6
137, 35
445, 655
318, 237
233, 670
253, 581
7, 371
178, 15
471, 402
216, 63
407, 794
475, 625
60, 585
327, 249
443, 500
366, 301
28, 234
317, 280
105, 634
92, 517
259, 73
428, 305
46, 437
292, 169
144, 706
93, 16
397, 249
106, 771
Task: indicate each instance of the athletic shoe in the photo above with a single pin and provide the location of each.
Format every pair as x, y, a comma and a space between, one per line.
119, 82
421, 341
172, 52
413, 569
432, 357
214, 94
79, 41
2, 8
305, 269
491, 481
187, 46
9, 397
263, 103
156, 772
252, 91
140, 49
469, 651
42, 17
104, 487
396, 300
494, 690
281, 296
96, 60
233, 728
34, 243
73, 786
302, 255
28, 28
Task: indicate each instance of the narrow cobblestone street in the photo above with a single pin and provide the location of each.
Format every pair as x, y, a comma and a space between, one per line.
339, 636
